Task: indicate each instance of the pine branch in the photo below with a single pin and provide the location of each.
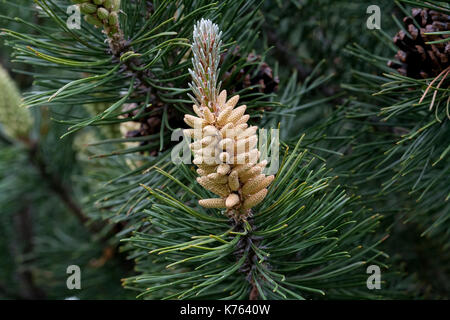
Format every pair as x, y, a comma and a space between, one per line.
405, 151
293, 257
56, 185
130, 196
245, 246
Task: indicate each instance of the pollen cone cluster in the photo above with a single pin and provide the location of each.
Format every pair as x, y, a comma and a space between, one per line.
101, 13
225, 153
15, 120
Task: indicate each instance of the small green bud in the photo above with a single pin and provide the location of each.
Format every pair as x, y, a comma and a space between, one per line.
108, 4
113, 19
93, 20
102, 13
116, 5
88, 8
98, 2
112, 5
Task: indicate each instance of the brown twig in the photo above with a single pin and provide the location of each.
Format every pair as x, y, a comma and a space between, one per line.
25, 231
56, 184
245, 246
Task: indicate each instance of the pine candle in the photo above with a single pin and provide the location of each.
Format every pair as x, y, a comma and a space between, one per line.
224, 145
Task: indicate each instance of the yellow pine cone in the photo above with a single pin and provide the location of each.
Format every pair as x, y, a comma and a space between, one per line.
213, 203
255, 199
225, 151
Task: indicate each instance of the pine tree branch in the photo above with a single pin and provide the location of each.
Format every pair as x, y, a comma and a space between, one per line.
56, 184
133, 66
245, 245
63, 193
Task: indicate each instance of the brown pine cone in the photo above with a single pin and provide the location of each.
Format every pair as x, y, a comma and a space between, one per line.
416, 59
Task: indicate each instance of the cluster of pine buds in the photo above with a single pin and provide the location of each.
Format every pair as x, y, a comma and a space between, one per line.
224, 145
101, 13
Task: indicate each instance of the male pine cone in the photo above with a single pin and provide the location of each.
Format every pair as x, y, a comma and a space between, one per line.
101, 13
225, 152
15, 119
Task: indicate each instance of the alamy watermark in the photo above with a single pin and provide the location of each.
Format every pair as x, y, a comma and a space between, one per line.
268, 146
74, 280
374, 20
374, 280
74, 19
